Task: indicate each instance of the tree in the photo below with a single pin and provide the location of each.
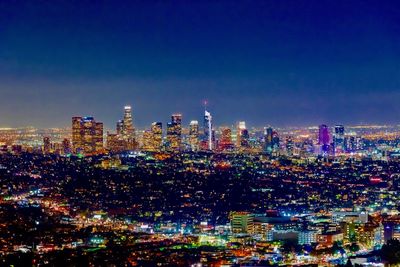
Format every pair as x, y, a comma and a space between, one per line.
348, 264
354, 247
390, 252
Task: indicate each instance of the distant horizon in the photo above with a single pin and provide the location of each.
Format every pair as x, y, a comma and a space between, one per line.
186, 122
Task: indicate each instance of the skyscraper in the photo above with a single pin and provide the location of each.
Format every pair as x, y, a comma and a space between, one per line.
268, 132
77, 134
177, 118
239, 130
194, 135
289, 145
128, 131
125, 138
115, 144
87, 135
120, 126
156, 130
225, 142
208, 129
148, 141
99, 143
174, 132
323, 139
66, 147
275, 142
338, 139
244, 138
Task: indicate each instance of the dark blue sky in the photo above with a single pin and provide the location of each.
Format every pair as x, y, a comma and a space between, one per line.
266, 62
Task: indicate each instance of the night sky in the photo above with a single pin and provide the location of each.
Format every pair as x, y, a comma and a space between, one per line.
269, 62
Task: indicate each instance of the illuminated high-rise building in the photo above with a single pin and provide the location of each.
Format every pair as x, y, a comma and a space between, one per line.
350, 143
156, 130
271, 141
194, 135
338, 139
66, 147
99, 142
170, 134
289, 146
174, 132
87, 135
208, 132
241, 126
125, 138
148, 140
323, 139
46, 145
115, 144
242, 222
120, 126
56, 148
275, 142
128, 131
77, 141
225, 141
268, 135
244, 138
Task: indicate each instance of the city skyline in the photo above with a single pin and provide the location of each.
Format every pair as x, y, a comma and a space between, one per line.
262, 61
187, 120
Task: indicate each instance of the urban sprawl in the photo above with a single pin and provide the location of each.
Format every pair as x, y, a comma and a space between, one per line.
196, 194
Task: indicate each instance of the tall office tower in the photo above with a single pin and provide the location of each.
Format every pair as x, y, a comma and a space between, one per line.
125, 138
66, 147
275, 142
177, 118
156, 130
128, 131
289, 146
323, 139
87, 135
338, 139
99, 142
239, 129
268, 135
225, 141
350, 143
120, 126
208, 133
77, 141
174, 132
114, 143
148, 140
307, 147
244, 139
46, 145
170, 135
194, 135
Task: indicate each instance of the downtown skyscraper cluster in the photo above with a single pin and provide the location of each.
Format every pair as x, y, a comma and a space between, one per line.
88, 138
